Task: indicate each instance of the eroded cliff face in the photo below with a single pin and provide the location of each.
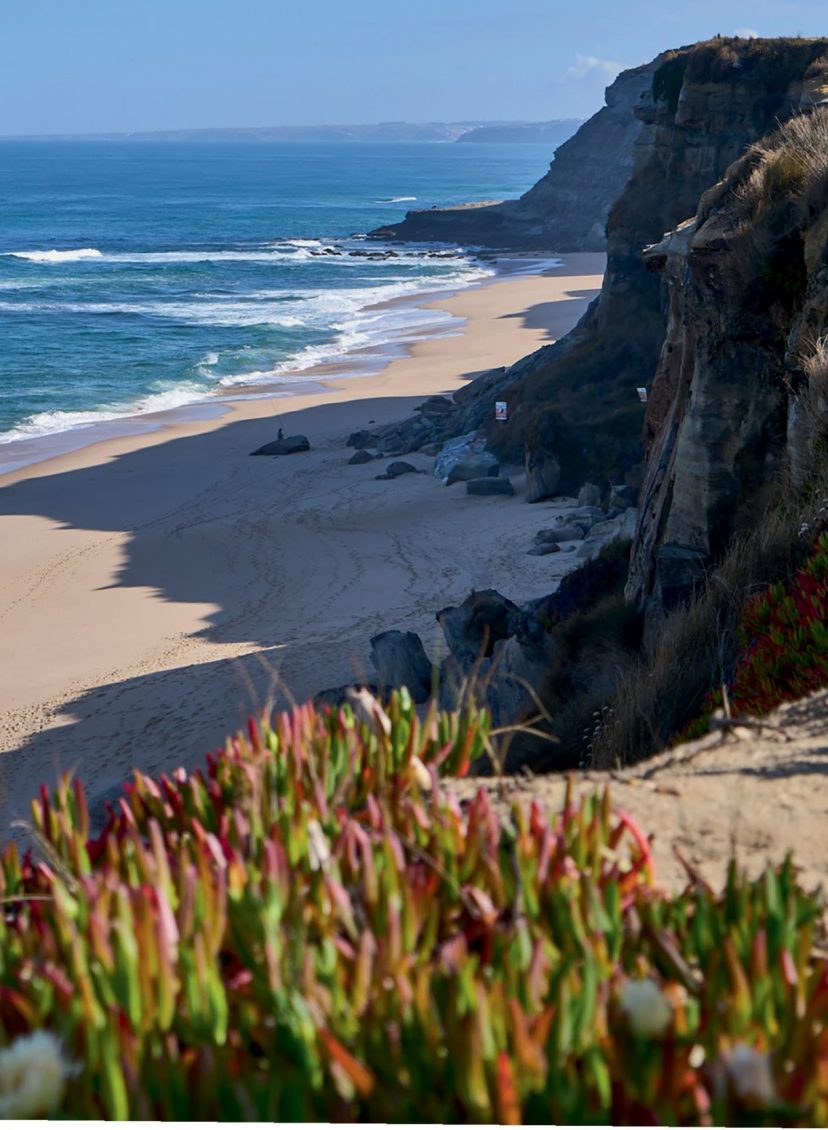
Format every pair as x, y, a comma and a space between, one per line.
567, 209
704, 106
738, 405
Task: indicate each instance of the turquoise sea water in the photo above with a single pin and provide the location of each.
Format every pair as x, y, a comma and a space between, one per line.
138, 276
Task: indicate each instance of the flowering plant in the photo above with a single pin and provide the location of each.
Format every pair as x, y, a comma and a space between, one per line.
315, 928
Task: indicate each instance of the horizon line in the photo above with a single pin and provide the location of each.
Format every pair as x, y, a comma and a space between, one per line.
464, 124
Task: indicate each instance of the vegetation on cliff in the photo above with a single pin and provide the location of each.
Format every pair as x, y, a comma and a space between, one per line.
315, 928
782, 646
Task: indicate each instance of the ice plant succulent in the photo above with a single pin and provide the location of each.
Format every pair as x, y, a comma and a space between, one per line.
315, 928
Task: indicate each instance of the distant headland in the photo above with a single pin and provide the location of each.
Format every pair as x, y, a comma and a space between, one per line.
553, 133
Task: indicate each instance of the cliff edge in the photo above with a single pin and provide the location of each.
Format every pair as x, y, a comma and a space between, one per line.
705, 105
567, 209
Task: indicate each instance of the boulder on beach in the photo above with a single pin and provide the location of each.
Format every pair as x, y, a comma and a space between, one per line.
392, 443
362, 438
400, 661
479, 466
361, 456
569, 531
490, 486
544, 549
290, 445
437, 406
399, 467
455, 449
553, 533
586, 516
473, 628
543, 473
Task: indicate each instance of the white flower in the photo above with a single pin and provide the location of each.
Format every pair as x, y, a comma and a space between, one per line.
33, 1074
750, 1074
366, 709
318, 848
647, 1010
421, 774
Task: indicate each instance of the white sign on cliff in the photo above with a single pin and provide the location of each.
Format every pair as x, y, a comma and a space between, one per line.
500, 410
642, 395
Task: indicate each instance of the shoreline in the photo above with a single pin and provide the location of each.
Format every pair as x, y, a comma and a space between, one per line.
158, 588
351, 364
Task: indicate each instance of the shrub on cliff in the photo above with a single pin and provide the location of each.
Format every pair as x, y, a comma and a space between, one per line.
314, 928
783, 636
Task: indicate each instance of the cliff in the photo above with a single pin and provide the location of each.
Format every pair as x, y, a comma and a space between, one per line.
725, 321
738, 401
555, 132
567, 209
704, 106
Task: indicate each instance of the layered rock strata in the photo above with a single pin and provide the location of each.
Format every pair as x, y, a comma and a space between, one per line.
704, 107
739, 401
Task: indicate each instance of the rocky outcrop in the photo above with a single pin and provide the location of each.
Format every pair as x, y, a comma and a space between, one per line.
567, 209
400, 661
543, 472
474, 627
289, 445
473, 467
361, 456
738, 403
704, 106
504, 651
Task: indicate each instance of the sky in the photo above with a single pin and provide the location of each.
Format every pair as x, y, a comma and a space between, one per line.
87, 66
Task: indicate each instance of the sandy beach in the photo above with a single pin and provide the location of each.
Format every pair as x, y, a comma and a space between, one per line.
158, 588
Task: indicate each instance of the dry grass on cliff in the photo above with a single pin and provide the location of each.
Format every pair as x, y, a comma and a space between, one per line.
788, 165
696, 646
815, 365
816, 368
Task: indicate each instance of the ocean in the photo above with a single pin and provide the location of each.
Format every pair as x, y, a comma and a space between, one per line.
142, 276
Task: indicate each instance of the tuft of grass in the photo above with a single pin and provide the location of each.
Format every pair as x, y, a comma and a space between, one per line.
314, 929
790, 165
815, 366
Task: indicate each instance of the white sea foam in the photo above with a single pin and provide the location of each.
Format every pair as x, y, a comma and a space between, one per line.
241, 255
394, 199
363, 332
283, 308
54, 256
282, 251
362, 323
52, 423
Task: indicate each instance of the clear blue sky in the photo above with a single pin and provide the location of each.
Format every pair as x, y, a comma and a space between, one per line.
79, 66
